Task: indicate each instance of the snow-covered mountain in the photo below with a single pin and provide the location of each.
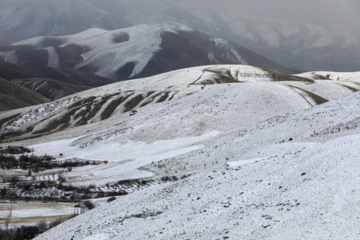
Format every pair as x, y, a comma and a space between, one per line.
296, 45
250, 153
139, 51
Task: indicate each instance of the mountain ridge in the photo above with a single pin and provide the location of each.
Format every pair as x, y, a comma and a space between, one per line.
135, 52
126, 97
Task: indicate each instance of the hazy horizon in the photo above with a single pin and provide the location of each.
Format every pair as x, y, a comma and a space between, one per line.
307, 11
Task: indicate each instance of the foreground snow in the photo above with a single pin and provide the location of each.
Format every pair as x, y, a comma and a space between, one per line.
295, 195
272, 189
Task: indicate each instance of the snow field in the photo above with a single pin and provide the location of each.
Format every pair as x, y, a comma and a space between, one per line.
267, 199
31, 213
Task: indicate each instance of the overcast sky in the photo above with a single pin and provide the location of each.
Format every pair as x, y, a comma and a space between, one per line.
313, 11
310, 11
306, 11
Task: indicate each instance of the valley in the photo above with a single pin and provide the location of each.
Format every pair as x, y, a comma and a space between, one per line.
179, 120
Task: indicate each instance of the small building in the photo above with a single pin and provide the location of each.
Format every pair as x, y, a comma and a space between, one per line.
17, 150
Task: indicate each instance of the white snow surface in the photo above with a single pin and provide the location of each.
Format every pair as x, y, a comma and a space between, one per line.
38, 212
256, 159
108, 56
352, 77
309, 195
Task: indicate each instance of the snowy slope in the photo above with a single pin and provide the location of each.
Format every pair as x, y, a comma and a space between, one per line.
186, 86
294, 195
253, 157
352, 77
102, 49
341, 83
302, 189
211, 93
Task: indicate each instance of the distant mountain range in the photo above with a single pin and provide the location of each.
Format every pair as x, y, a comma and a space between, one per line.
130, 53
296, 45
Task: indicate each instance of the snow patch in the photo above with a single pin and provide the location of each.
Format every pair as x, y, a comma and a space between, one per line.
244, 162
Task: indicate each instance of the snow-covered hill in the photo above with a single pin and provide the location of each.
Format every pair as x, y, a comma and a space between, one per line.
246, 154
139, 51
250, 87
